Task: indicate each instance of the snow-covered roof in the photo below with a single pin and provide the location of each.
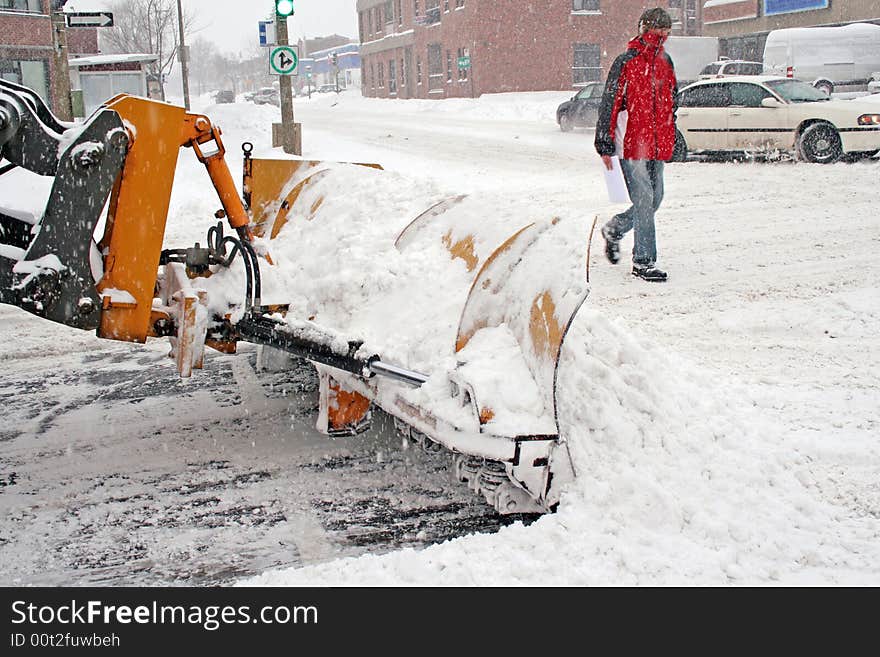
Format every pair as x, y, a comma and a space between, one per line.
86, 5
96, 60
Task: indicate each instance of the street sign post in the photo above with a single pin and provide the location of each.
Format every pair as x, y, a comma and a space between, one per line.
267, 33
90, 19
283, 60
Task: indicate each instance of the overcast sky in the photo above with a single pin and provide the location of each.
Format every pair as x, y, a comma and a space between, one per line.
232, 24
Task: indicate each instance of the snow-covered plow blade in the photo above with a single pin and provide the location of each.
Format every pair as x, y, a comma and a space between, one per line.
469, 303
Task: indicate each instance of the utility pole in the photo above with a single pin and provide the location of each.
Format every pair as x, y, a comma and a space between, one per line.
60, 91
183, 56
291, 137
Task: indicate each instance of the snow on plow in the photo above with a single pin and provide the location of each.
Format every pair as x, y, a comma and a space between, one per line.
471, 297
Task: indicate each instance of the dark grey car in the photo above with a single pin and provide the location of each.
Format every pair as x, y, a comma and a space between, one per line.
225, 96
582, 110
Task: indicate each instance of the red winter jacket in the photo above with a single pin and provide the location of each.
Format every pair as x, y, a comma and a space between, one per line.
642, 82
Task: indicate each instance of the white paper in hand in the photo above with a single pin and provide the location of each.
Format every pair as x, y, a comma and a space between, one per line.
617, 192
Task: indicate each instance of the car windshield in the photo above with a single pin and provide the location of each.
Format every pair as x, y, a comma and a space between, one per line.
711, 69
589, 92
795, 91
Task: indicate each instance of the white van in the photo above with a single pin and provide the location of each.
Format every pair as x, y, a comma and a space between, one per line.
690, 55
831, 58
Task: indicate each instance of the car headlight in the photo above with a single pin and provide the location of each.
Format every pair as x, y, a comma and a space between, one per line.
869, 119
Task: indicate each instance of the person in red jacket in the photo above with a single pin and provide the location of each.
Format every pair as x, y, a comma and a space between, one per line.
637, 123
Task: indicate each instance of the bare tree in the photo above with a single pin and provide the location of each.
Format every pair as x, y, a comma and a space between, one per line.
147, 26
203, 64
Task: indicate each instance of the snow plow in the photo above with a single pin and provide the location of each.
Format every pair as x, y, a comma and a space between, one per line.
451, 319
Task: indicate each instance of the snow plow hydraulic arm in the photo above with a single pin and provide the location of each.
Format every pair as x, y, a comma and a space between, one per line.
127, 151
279, 335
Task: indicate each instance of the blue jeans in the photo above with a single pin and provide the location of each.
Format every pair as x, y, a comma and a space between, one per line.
644, 180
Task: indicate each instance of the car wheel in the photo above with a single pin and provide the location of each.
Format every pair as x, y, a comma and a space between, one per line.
566, 124
820, 142
825, 86
680, 150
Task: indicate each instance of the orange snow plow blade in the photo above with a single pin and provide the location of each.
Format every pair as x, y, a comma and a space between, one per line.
494, 292
271, 188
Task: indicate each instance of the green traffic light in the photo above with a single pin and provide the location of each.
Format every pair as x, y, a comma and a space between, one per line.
284, 7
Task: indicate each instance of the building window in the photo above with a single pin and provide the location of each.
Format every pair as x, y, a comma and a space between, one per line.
585, 5
400, 12
30, 73
416, 8
587, 65
435, 66
32, 6
381, 81
448, 66
389, 14
392, 77
403, 73
372, 76
378, 19
418, 71
446, 5
459, 4
462, 72
432, 12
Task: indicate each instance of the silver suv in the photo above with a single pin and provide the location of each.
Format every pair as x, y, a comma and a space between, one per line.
727, 67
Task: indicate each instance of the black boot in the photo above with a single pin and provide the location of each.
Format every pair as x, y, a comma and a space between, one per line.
612, 245
649, 273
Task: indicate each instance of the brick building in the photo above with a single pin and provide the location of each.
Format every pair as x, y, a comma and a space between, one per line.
422, 48
27, 46
743, 25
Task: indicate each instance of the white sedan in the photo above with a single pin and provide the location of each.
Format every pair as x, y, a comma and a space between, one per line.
767, 114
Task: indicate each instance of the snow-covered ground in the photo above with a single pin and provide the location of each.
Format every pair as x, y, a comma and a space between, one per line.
724, 426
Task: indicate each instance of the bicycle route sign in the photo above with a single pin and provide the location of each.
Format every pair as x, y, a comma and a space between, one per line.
283, 60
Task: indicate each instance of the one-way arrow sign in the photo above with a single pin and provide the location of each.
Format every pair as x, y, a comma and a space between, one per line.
90, 19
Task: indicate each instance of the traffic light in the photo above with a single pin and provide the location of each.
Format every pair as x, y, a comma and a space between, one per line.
335, 59
284, 7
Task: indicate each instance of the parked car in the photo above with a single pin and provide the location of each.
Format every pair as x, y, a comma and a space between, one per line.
249, 95
754, 114
326, 88
726, 67
874, 84
224, 96
582, 109
267, 96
